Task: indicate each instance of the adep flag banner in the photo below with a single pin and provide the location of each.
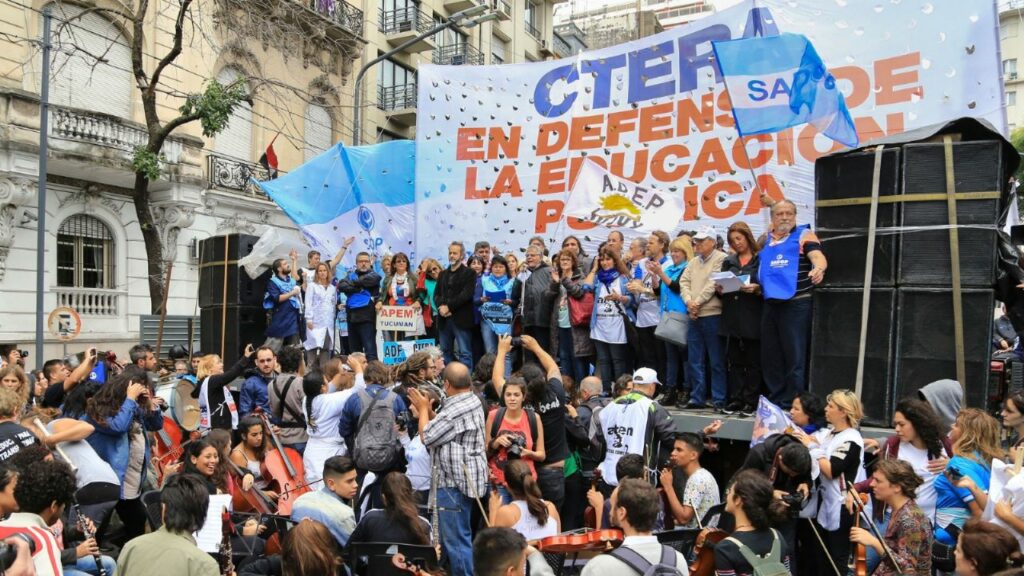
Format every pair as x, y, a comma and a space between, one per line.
498, 147
364, 191
608, 201
780, 81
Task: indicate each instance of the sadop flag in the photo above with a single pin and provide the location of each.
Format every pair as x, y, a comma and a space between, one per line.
361, 191
775, 82
601, 198
99, 372
769, 420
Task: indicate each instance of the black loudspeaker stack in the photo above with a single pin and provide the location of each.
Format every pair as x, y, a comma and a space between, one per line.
238, 319
910, 333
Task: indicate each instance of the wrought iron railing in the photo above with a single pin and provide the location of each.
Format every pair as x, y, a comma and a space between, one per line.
226, 173
341, 13
105, 130
533, 31
90, 301
460, 54
408, 19
398, 97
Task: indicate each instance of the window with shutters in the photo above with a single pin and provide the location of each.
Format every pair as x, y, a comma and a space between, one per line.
77, 79
318, 133
85, 253
236, 139
497, 50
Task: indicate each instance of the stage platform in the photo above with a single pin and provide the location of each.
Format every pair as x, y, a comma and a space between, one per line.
739, 427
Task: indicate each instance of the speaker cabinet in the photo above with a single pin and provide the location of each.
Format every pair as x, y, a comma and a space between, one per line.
843, 229
925, 255
925, 349
835, 341
240, 325
241, 290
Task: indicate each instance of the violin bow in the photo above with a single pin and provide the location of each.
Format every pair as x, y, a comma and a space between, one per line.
823, 547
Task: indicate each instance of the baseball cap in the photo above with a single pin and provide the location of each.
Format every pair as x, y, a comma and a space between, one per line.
705, 232
645, 376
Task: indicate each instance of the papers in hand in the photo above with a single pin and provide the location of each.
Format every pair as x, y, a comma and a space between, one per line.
729, 281
209, 537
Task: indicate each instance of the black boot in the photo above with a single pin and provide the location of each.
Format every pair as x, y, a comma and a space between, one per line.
670, 398
684, 397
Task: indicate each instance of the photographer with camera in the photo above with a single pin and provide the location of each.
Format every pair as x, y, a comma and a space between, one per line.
786, 462
513, 433
43, 491
62, 379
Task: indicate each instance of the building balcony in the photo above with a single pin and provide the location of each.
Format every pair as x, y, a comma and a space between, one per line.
533, 30
503, 8
458, 55
400, 26
95, 302
562, 48
100, 129
453, 6
340, 13
235, 176
399, 102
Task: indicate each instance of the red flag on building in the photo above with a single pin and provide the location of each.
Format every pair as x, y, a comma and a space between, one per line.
269, 159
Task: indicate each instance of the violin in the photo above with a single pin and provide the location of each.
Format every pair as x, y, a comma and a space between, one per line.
703, 563
283, 468
859, 555
589, 514
586, 541
168, 447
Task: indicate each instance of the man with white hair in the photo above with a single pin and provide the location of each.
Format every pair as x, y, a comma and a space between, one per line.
792, 264
535, 300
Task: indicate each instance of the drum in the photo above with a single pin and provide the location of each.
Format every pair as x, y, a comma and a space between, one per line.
182, 407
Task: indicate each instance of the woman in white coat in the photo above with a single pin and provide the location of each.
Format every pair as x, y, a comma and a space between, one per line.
321, 301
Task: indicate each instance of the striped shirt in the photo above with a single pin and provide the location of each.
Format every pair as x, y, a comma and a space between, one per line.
47, 555
455, 438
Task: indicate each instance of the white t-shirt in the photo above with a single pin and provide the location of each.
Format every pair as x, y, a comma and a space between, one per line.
918, 459
648, 310
529, 527
701, 493
607, 325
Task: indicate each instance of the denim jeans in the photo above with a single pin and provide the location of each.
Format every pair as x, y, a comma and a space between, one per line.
453, 337
87, 566
676, 367
612, 361
362, 337
703, 338
456, 530
785, 335
551, 482
491, 345
567, 360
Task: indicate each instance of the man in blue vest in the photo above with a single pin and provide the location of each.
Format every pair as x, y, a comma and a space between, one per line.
362, 286
792, 264
282, 298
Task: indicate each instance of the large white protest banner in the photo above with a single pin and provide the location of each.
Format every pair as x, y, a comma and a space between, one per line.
499, 147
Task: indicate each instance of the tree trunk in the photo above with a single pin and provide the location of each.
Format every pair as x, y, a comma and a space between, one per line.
151, 239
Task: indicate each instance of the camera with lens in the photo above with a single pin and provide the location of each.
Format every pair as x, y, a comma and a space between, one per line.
515, 449
795, 502
403, 420
517, 341
9, 552
23, 353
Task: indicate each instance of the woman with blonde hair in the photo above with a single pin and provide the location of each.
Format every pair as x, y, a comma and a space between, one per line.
320, 312
430, 271
216, 405
839, 452
13, 378
680, 250
961, 491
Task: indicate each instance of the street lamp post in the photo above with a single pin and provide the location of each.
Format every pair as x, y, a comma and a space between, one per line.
457, 18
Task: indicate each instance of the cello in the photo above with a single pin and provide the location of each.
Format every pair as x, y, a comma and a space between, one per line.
283, 467
253, 500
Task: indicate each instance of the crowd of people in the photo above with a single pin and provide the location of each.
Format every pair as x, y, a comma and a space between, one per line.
542, 411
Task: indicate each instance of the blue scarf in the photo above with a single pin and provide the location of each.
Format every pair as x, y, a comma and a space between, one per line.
499, 281
285, 286
607, 276
674, 270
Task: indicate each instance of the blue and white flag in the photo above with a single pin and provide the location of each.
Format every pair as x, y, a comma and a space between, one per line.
769, 420
363, 191
775, 82
99, 372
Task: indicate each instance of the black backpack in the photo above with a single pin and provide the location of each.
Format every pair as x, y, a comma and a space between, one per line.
377, 447
665, 567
